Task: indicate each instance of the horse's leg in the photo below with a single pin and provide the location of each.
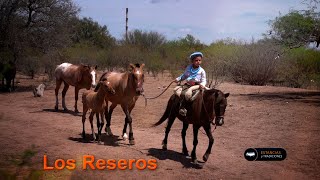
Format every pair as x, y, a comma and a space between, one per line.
207, 128
108, 118
58, 84
128, 120
7, 85
85, 109
98, 126
13, 84
124, 131
168, 128
195, 143
101, 124
91, 123
64, 92
183, 135
76, 93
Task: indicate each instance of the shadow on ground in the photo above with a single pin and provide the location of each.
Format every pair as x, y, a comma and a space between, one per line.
60, 111
305, 97
105, 140
174, 156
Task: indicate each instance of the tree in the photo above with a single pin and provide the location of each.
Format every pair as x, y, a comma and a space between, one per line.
35, 26
297, 28
145, 40
91, 32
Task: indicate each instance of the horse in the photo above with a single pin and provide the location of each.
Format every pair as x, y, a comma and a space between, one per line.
79, 76
96, 102
206, 109
8, 72
128, 87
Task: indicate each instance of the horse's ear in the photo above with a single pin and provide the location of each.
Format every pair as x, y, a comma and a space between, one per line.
96, 67
131, 66
226, 95
142, 65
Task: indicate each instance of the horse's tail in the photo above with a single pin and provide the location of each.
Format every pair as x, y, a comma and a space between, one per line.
166, 114
163, 118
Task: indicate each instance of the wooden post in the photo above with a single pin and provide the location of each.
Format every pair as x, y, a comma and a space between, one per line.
126, 24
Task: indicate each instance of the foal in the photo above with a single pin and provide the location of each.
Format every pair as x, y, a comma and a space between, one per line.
96, 102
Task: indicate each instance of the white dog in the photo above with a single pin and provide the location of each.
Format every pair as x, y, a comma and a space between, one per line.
38, 92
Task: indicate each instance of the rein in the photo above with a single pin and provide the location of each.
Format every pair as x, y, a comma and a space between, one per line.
211, 119
146, 98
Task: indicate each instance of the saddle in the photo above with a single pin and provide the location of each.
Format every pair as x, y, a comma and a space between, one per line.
191, 91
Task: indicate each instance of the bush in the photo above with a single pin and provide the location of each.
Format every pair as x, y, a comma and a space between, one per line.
255, 64
300, 68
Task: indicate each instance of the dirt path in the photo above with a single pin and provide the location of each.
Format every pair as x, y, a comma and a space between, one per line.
257, 116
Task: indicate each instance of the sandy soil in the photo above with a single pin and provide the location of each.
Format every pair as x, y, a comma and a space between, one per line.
256, 116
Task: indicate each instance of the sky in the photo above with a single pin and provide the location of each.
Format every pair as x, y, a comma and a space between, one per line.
206, 20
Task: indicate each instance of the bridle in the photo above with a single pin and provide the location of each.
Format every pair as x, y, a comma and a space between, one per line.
211, 119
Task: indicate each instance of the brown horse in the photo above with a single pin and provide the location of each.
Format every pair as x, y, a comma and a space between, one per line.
8, 72
79, 76
96, 102
208, 106
128, 87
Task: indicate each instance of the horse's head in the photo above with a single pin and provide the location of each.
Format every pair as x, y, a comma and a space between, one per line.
106, 85
88, 76
219, 100
137, 77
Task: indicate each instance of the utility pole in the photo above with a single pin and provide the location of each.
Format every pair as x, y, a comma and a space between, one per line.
126, 24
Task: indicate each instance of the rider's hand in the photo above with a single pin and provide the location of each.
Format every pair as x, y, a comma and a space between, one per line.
176, 81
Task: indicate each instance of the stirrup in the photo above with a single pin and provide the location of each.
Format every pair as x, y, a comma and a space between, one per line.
183, 112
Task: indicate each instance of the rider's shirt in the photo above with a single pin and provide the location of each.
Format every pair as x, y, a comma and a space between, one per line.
193, 76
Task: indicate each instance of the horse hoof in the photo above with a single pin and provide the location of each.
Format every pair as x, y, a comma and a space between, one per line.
205, 157
186, 153
56, 108
75, 111
195, 161
131, 142
65, 109
125, 136
108, 132
164, 147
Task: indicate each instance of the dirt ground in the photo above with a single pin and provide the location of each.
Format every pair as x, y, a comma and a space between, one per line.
256, 116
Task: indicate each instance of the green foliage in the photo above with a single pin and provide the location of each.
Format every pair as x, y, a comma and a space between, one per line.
30, 66
218, 60
298, 28
90, 32
36, 25
25, 157
23, 166
294, 28
145, 40
300, 68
